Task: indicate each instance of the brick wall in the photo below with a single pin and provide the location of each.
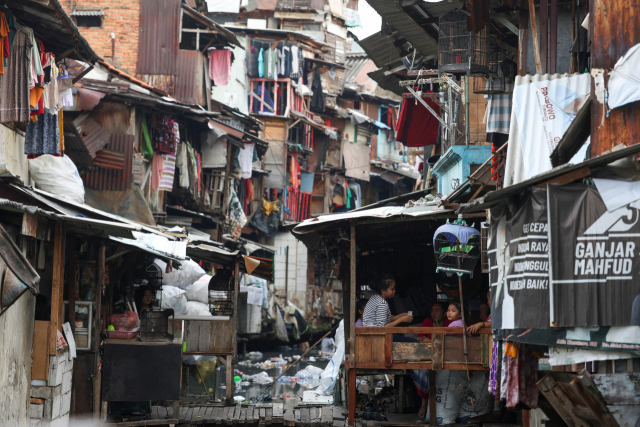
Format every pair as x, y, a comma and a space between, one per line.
120, 18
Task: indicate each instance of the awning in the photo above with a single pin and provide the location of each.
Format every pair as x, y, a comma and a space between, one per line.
147, 247
388, 176
263, 270
495, 197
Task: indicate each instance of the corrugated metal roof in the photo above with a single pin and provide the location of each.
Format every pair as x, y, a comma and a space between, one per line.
406, 26
164, 83
355, 63
158, 36
87, 13
117, 180
190, 79
389, 82
383, 49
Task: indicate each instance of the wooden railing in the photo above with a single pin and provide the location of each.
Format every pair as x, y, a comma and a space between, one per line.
298, 207
375, 349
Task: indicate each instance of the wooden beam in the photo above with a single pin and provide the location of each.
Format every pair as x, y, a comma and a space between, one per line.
97, 319
352, 396
544, 34
574, 138
553, 37
569, 177
71, 283
57, 285
534, 34
504, 21
522, 41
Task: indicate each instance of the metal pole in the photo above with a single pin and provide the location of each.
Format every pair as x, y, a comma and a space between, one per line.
466, 110
286, 277
464, 329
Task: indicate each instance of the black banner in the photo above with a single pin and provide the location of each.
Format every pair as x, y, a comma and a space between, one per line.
519, 262
594, 259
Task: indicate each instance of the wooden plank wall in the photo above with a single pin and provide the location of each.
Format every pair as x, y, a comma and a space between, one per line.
208, 336
275, 133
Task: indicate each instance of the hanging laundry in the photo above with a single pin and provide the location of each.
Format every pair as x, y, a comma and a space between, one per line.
317, 101
294, 172
295, 67
168, 172
272, 64
61, 129
183, 164
14, 83
43, 136
261, 63
13, 29
164, 136
519, 377
145, 144
220, 66
245, 158
4, 40
157, 167
416, 125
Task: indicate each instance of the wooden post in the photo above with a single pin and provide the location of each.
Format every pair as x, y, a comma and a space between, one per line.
227, 178
234, 337
534, 34
522, 42
286, 276
229, 382
97, 387
544, 34
97, 319
432, 397
71, 282
553, 37
57, 285
350, 324
352, 396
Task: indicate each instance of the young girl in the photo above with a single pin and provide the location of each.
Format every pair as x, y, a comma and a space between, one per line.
454, 315
360, 305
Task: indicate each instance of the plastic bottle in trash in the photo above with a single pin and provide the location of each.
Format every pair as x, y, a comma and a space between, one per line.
284, 380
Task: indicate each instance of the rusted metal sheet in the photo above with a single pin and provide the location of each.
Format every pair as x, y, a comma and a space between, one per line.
189, 83
109, 159
159, 34
613, 25
75, 148
116, 180
165, 83
94, 136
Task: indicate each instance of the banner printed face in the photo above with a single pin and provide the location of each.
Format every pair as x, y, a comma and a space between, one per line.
544, 110
595, 259
519, 264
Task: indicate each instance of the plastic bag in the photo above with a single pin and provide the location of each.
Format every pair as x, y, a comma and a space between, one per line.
329, 376
124, 322
62, 343
199, 291
183, 278
195, 308
173, 297
57, 175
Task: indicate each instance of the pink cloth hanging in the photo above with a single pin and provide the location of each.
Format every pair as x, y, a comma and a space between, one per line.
220, 66
157, 167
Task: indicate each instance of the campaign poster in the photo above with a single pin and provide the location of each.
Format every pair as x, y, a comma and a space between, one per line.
519, 262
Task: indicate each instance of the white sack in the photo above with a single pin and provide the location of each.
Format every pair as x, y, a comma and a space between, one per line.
174, 298
183, 278
195, 308
57, 175
329, 376
482, 399
199, 291
449, 396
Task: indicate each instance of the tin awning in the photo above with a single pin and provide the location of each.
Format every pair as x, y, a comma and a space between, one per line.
258, 267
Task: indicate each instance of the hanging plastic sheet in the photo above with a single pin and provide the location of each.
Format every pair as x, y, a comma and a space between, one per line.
17, 262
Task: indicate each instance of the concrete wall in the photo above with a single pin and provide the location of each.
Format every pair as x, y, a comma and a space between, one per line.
297, 268
16, 342
12, 153
121, 18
